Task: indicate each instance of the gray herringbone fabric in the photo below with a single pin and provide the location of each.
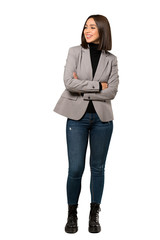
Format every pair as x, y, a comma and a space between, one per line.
71, 103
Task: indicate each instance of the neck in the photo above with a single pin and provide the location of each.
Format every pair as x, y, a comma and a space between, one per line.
93, 46
96, 44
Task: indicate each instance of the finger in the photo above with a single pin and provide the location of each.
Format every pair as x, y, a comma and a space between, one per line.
75, 75
104, 85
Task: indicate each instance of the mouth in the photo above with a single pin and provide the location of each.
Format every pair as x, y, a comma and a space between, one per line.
88, 36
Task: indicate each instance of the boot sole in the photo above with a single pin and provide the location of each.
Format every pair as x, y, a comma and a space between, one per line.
71, 230
94, 229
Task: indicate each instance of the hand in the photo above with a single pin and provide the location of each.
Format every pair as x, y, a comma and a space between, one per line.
75, 75
104, 85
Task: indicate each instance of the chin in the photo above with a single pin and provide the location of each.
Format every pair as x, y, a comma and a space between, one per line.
89, 41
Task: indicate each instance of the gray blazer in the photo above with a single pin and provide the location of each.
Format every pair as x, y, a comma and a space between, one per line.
72, 104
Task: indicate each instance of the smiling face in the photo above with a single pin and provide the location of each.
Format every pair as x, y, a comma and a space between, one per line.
91, 31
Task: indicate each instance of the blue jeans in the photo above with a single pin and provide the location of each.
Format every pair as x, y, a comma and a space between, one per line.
99, 134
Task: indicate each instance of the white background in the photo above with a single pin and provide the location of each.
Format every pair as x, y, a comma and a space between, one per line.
34, 40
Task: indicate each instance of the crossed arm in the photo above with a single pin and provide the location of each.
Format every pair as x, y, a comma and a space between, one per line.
109, 90
90, 89
103, 84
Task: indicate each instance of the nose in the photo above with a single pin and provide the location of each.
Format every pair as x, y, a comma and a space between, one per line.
87, 31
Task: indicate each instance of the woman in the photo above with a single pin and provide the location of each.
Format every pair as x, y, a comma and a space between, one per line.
91, 81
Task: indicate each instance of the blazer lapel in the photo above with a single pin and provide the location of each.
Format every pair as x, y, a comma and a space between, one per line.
88, 66
101, 66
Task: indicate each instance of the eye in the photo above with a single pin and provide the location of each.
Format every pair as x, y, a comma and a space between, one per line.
93, 27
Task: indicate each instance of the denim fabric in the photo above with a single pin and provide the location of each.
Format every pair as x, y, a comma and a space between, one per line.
78, 132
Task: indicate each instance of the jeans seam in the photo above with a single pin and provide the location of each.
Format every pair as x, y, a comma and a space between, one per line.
92, 188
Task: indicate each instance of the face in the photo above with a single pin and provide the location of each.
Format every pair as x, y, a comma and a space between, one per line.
91, 31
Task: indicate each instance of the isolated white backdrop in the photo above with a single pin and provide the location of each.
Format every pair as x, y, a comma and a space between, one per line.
34, 40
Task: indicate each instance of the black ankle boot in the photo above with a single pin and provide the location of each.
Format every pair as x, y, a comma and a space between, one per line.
94, 226
71, 226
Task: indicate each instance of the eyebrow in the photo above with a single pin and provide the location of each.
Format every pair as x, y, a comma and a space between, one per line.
91, 25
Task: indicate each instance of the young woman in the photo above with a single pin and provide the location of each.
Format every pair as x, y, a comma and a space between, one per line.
91, 81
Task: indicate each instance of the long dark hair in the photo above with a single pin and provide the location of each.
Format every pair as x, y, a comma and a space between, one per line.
104, 30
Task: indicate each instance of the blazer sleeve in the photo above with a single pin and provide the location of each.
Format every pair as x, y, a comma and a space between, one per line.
77, 85
110, 92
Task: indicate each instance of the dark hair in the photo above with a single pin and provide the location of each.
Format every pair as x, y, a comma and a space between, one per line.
104, 30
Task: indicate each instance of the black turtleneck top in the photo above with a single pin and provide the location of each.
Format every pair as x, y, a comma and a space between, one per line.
95, 56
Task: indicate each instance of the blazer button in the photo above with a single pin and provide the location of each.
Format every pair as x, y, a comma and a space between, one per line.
88, 97
93, 86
